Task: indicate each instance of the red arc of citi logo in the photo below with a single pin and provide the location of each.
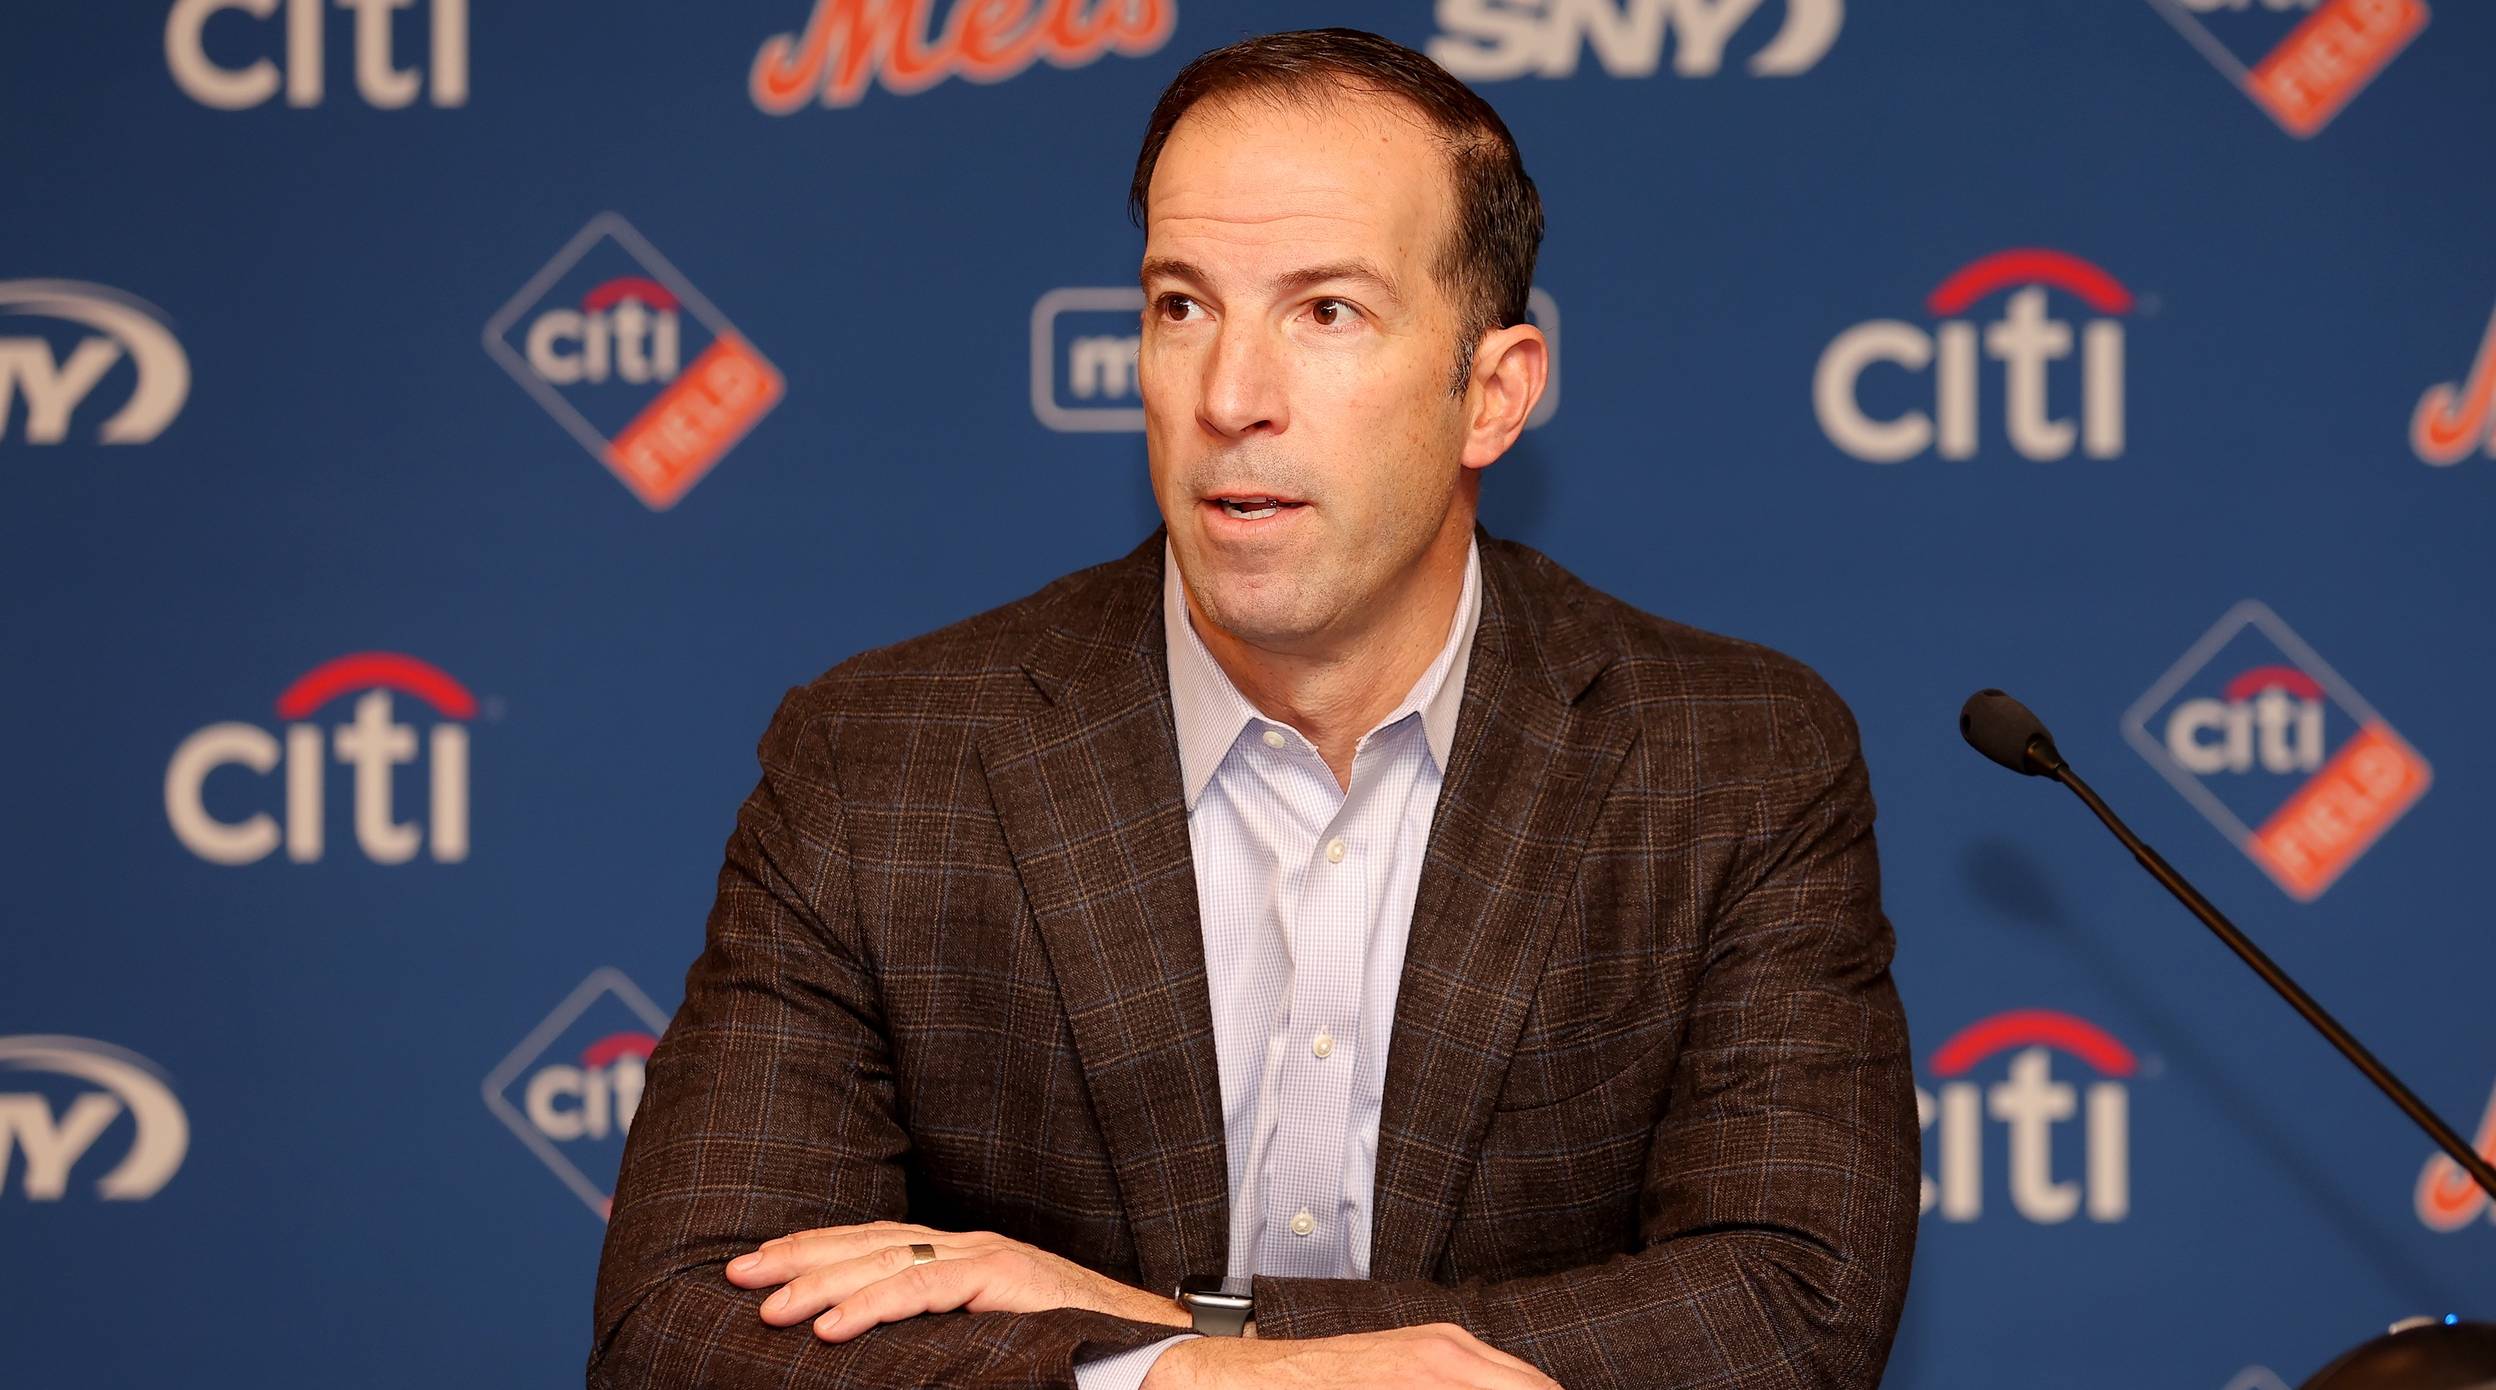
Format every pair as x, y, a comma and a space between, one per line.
372, 741
1936, 409
2027, 1104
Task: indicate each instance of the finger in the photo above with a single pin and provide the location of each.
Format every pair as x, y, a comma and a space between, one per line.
928, 1288
812, 1291
780, 1260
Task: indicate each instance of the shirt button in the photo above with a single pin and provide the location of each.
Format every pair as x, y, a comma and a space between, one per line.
1273, 738
1323, 1044
1303, 1224
1335, 850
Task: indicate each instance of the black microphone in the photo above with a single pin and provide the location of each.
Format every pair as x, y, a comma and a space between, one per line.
2002, 729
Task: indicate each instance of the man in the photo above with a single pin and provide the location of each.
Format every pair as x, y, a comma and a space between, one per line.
1486, 977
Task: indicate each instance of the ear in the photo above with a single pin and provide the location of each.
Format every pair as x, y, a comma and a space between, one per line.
1511, 366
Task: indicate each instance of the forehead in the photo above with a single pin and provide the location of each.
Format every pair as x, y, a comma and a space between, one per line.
1254, 179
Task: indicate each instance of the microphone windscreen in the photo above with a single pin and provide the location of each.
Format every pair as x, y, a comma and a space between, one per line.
2002, 729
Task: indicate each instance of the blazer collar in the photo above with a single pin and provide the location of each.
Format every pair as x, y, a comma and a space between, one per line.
1089, 793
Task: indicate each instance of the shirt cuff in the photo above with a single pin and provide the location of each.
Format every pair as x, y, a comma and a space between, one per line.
1124, 1370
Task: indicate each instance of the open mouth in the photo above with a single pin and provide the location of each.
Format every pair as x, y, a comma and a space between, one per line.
1254, 508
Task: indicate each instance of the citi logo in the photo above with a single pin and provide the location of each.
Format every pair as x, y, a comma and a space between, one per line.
2026, 1105
2269, 718
2026, 340
625, 328
372, 742
1482, 40
379, 79
2456, 419
2277, 750
2447, 1198
103, 1083
114, 327
633, 361
1084, 346
847, 45
569, 1090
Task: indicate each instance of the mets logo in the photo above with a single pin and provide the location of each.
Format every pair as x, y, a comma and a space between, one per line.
2299, 60
848, 44
627, 355
2453, 419
2277, 750
570, 1088
2447, 1198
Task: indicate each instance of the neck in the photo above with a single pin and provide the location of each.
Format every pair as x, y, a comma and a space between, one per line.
1338, 691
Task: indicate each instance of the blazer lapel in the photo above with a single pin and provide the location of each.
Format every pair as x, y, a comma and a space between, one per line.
1526, 773
1089, 796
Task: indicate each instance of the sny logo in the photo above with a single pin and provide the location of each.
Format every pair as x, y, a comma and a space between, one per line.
606, 348
2299, 60
849, 43
2277, 750
2448, 1199
374, 743
1488, 39
570, 1088
2452, 419
54, 385
2028, 1102
1084, 341
2025, 340
378, 77
108, 1082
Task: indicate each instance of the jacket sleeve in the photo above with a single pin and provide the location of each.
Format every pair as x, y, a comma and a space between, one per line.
1779, 1202
769, 1107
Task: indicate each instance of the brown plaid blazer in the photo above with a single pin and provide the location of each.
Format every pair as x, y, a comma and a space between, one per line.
1648, 1121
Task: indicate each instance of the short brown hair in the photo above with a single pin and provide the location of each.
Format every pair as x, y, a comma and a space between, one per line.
1487, 266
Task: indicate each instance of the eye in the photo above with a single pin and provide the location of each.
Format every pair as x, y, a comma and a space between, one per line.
1331, 312
1174, 307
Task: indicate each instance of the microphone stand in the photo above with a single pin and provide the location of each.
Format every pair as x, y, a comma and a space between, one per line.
2052, 765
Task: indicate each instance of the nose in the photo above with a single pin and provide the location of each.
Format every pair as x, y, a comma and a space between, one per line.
1244, 383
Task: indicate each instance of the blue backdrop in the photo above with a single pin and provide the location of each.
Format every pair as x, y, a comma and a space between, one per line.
437, 435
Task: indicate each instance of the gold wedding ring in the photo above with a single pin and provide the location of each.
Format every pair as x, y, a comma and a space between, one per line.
922, 1254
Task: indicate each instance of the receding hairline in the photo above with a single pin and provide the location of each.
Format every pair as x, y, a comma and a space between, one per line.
1324, 90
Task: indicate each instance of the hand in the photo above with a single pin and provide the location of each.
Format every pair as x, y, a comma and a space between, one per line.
850, 1278
1439, 1356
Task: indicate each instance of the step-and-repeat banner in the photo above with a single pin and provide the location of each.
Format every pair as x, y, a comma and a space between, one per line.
438, 431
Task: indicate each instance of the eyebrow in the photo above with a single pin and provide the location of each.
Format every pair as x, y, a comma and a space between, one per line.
1355, 271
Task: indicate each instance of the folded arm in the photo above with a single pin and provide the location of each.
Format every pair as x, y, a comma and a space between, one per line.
769, 1108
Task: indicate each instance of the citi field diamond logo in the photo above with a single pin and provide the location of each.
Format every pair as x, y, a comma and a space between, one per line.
2299, 60
570, 1088
627, 355
2282, 755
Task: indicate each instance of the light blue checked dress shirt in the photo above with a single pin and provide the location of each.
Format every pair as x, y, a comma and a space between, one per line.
1305, 893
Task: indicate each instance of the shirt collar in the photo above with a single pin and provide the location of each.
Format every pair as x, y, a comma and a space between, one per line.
1210, 712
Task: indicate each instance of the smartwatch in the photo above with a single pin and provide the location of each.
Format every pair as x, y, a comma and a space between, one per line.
1221, 1307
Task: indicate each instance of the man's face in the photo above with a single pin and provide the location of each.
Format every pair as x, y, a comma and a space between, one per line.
1297, 353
